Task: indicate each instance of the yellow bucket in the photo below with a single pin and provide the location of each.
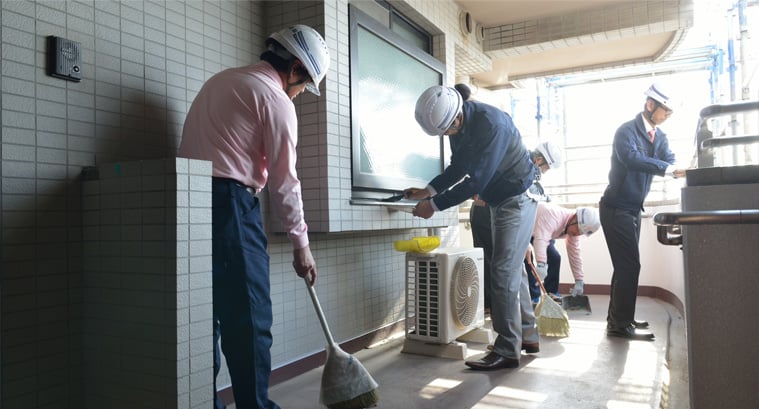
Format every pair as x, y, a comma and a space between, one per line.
418, 244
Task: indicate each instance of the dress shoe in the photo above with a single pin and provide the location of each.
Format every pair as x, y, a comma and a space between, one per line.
629, 332
529, 348
640, 324
491, 362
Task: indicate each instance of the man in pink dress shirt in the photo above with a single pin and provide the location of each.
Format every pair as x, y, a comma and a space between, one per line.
243, 120
555, 222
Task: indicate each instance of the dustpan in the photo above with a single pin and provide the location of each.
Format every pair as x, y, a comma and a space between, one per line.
552, 319
576, 303
346, 384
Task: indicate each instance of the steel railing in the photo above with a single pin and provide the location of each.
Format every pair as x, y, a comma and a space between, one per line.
705, 140
668, 229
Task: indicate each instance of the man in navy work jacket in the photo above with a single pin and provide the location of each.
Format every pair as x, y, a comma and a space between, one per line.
490, 160
640, 151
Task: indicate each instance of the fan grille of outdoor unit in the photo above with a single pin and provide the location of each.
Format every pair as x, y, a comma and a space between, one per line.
465, 292
428, 296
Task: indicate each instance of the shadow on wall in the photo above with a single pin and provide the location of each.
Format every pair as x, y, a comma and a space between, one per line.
143, 131
42, 291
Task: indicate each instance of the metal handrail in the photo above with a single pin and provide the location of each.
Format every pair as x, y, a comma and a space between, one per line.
741, 216
668, 224
705, 138
712, 111
729, 141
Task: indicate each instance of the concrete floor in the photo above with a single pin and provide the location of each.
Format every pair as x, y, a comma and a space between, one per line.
585, 370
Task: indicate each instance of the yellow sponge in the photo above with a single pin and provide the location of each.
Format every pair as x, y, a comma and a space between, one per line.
423, 244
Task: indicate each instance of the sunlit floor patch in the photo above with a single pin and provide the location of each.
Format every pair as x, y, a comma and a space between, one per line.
615, 404
437, 387
507, 397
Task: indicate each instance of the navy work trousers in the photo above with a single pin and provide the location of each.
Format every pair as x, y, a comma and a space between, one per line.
622, 232
551, 283
242, 311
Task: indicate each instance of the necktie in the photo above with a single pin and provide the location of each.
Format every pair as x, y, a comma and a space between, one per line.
651, 134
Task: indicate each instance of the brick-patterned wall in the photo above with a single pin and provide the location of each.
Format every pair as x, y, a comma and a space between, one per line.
146, 285
142, 63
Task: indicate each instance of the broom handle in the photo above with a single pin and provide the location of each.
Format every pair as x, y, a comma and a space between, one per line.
319, 311
537, 278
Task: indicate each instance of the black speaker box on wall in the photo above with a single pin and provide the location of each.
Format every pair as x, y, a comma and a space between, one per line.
64, 59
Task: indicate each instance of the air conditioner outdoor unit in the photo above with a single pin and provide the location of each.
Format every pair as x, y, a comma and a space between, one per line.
444, 294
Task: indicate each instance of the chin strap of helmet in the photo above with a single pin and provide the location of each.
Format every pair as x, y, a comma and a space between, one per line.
650, 114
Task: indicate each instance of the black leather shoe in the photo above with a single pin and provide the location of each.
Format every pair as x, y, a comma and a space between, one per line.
640, 324
629, 332
491, 362
526, 347
531, 348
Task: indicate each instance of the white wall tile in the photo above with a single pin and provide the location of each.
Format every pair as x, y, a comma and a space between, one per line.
143, 64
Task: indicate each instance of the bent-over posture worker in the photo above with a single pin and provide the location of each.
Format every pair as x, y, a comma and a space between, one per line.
244, 121
555, 222
488, 159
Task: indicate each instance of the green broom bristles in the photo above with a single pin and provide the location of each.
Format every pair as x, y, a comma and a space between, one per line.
552, 320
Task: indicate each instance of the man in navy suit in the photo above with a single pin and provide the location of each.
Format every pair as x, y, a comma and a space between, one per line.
640, 151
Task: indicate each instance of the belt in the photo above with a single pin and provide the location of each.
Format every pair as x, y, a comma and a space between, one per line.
249, 189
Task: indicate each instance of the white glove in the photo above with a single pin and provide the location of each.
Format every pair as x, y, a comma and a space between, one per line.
577, 290
542, 270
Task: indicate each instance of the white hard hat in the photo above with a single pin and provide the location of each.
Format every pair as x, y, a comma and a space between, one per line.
309, 47
659, 94
551, 153
437, 108
588, 220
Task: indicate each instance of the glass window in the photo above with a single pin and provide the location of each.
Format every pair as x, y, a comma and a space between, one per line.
410, 32
390, 150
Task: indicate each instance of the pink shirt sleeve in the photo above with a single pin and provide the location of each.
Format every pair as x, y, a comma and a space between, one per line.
575, 257
280, 140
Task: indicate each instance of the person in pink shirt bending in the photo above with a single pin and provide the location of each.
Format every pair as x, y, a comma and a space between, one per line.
555, 222
243, 120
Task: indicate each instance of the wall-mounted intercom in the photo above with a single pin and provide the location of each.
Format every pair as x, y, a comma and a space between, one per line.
64, 59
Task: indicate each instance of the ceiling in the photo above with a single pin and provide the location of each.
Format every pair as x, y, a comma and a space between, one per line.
536, 38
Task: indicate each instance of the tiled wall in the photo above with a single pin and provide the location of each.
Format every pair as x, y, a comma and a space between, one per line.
146, 285
142, 63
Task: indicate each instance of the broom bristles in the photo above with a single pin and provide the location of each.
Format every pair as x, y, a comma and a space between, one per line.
552, 320
365, 400
345, 382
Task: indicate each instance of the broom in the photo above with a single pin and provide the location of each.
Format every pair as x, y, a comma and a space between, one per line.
552, 319
345, 382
